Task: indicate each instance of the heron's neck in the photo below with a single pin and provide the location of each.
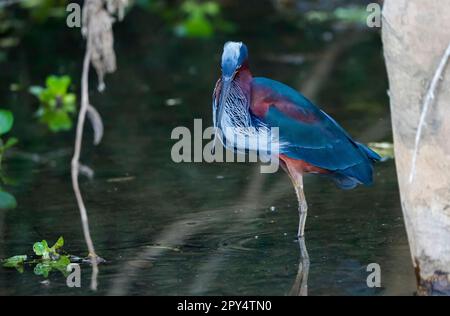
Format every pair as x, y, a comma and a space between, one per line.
236, 111
244, 79
241, 132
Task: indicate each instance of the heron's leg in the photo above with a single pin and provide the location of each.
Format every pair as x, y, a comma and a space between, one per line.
300, 287
302, 207
297, 181
301, 281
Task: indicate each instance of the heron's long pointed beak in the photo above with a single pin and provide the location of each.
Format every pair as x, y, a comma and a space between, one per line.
224, 91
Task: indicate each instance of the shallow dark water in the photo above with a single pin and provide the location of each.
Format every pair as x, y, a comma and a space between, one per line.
206, 229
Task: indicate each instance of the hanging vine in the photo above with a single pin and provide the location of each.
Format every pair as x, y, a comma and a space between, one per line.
97, 19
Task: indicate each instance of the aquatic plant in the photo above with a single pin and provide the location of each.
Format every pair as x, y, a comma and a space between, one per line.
45, 259
42, 249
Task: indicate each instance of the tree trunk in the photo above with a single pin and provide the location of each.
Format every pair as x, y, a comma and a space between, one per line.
415, 38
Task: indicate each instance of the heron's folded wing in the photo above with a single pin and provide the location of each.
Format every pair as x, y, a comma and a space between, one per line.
318, 142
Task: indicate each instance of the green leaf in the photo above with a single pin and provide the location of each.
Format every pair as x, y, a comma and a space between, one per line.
46, 96
43, 269
49, 259
7, 201
13, 262
55, 103
196, 27
16, 262
61, 264
69, 102
41, 249
6, 121
56, 120
60, 121
59, 243
58, 85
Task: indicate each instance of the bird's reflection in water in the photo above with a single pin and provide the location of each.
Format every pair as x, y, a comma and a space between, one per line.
300, 287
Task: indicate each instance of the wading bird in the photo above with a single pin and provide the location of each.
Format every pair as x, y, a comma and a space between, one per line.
310, 141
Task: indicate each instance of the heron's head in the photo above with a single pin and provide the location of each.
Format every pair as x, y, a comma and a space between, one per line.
234, 56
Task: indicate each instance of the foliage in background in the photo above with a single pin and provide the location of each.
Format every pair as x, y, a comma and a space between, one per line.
10, 29
41, 10
201, 19
352, 14
8, 24
6, 123
191, 18
46, 259
14, 18
57, 104
188, 18
7, 201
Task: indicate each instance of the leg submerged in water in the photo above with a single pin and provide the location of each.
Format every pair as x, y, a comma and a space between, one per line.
300, 287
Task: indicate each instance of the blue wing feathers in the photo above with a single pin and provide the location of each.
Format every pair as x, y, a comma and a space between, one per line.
321, 142
344, 182
369, 152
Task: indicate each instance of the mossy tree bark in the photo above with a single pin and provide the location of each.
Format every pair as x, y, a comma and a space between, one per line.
416, 37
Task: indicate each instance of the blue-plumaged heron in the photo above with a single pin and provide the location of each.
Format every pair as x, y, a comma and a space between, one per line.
310, 141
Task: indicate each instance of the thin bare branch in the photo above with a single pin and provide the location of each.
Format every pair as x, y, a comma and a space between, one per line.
97, 28
97, 124
76, 163
429, 98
